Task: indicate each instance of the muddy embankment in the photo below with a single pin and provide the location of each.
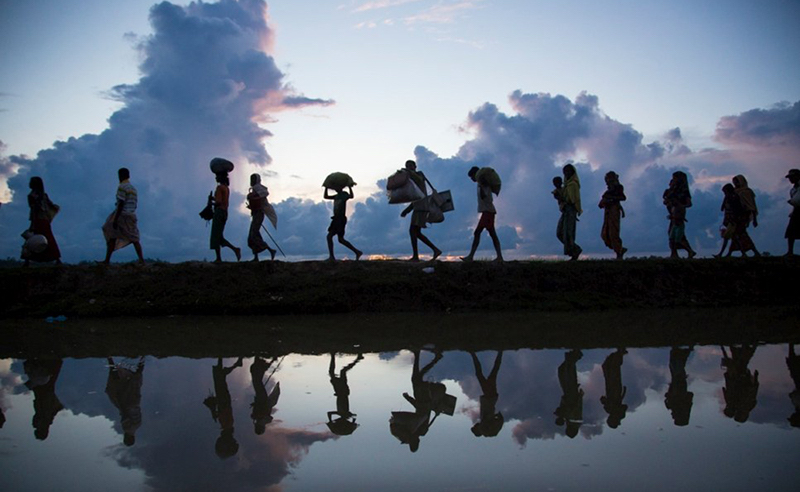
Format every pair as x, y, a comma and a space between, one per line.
206, 310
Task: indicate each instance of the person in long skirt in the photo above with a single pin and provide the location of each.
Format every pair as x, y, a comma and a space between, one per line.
677, 198
613, 213
42, 212
570, 210
256, 201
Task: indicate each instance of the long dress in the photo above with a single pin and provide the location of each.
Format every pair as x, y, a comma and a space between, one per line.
41, 209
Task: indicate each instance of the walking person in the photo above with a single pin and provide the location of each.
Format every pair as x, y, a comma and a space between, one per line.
339, 220
221, 200
732, 210
488, 213
345, 422
122, 227
793, 229
256, 202
677, 198
419, 216
570, 210
124, 390
613, 213
42, 212
747, 214
264, 401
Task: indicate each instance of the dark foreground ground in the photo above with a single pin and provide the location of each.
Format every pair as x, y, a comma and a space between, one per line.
277, 288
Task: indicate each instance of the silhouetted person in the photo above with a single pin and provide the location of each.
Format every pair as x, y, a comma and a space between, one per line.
124, 389
122, 227
613, 212
558, 193
677, 198
42, 212
345, 422
256, 202
570, 210
264, 401
222, 195
678, 398
408, 427
420, 214
732, 209
491, 421
488, 213
793, 229
793, 363
42, 376
615, 391
741, 386
570, 410
339, 221
747, 214
221, 409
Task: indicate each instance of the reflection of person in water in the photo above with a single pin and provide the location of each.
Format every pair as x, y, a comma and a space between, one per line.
570, 411
345, 423
741, 386
615, 391
491, 421
124, 389
408, 427
264, 401
42, 376
678, 398
221, 409
793, 363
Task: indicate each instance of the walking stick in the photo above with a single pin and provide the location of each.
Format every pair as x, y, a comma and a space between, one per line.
273, 240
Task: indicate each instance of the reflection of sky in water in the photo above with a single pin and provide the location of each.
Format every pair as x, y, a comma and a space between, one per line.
174, 446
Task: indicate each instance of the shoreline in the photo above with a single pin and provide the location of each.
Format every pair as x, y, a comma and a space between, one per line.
393, 286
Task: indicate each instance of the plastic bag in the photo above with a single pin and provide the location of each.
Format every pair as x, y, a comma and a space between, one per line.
397, 180
409, 192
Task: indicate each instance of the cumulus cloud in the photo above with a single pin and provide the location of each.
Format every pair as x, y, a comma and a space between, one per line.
777, 126
206, 85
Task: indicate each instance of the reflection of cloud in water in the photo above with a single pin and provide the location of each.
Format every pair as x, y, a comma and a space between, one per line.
8, 381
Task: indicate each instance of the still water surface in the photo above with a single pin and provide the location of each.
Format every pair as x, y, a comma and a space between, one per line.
689, 418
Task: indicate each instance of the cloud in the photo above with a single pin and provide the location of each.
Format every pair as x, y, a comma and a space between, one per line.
777, 126
381, 4
206, 86
442, 13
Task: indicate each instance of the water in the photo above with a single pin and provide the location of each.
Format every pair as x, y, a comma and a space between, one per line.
540, 425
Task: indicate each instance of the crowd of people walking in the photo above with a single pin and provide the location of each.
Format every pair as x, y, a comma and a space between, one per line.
120, 229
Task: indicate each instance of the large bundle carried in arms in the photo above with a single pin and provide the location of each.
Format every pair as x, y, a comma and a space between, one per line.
338, 181
405, 186
220, 165
489, 177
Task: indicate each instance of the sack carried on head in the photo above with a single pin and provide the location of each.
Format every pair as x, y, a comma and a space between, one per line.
338, 181
489, 177
220, 165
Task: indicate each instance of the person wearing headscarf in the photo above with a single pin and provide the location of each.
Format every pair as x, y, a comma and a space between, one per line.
677, 198
42, 212
221, 200
732, 209
570, 210
612, 213
793, 229
748, 213
257, 202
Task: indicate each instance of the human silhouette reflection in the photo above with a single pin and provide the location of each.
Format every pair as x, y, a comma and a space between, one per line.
793, 363
570, 411
221, 409
42, 376
615, 391
428, 397
264, 401
741, 386
124, 389
490, 421
345, 423
678, 398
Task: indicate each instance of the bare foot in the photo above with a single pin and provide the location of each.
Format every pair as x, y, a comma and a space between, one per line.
358, 255
692, 254
238, 253
436, 254
466, 258
414, 258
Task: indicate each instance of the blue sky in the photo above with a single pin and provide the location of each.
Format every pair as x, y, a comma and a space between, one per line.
383, 78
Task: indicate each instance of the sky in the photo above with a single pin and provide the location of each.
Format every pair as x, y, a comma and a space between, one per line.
294, 92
